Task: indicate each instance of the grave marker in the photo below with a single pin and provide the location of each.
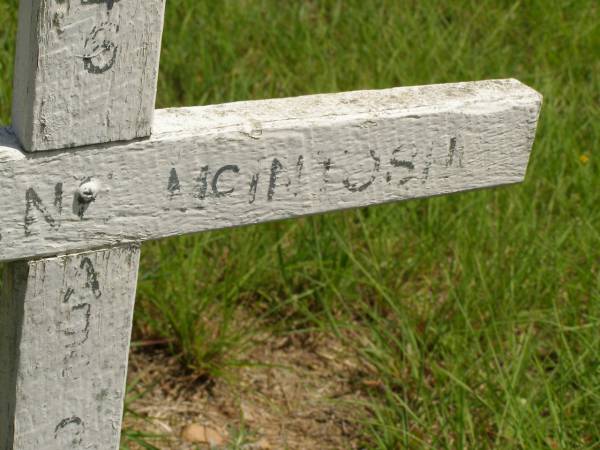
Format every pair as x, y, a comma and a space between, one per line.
72, 218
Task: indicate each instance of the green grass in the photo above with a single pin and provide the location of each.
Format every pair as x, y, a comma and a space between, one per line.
479, 312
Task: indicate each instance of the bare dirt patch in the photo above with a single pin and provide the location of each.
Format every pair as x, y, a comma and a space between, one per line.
300, 393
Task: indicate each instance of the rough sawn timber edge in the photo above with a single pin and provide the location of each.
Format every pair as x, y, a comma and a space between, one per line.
227, 165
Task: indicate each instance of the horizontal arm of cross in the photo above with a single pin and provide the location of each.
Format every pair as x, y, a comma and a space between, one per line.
221, 166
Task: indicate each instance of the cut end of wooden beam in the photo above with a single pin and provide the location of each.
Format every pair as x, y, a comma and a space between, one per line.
221, 166
85, 71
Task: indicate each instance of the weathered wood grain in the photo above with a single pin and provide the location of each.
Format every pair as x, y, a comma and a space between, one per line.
242, 163
65, 325
86, 71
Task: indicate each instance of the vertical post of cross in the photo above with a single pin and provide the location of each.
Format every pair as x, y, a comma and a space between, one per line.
65, 325
86, 73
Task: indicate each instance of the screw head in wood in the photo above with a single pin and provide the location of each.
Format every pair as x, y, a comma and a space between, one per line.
88, 191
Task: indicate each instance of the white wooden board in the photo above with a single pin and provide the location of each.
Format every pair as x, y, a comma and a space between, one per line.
242, 163
65, 325
86, 71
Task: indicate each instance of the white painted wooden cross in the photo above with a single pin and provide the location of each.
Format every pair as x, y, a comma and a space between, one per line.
83, 182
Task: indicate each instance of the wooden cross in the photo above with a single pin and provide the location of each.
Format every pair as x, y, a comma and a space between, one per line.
83, 182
